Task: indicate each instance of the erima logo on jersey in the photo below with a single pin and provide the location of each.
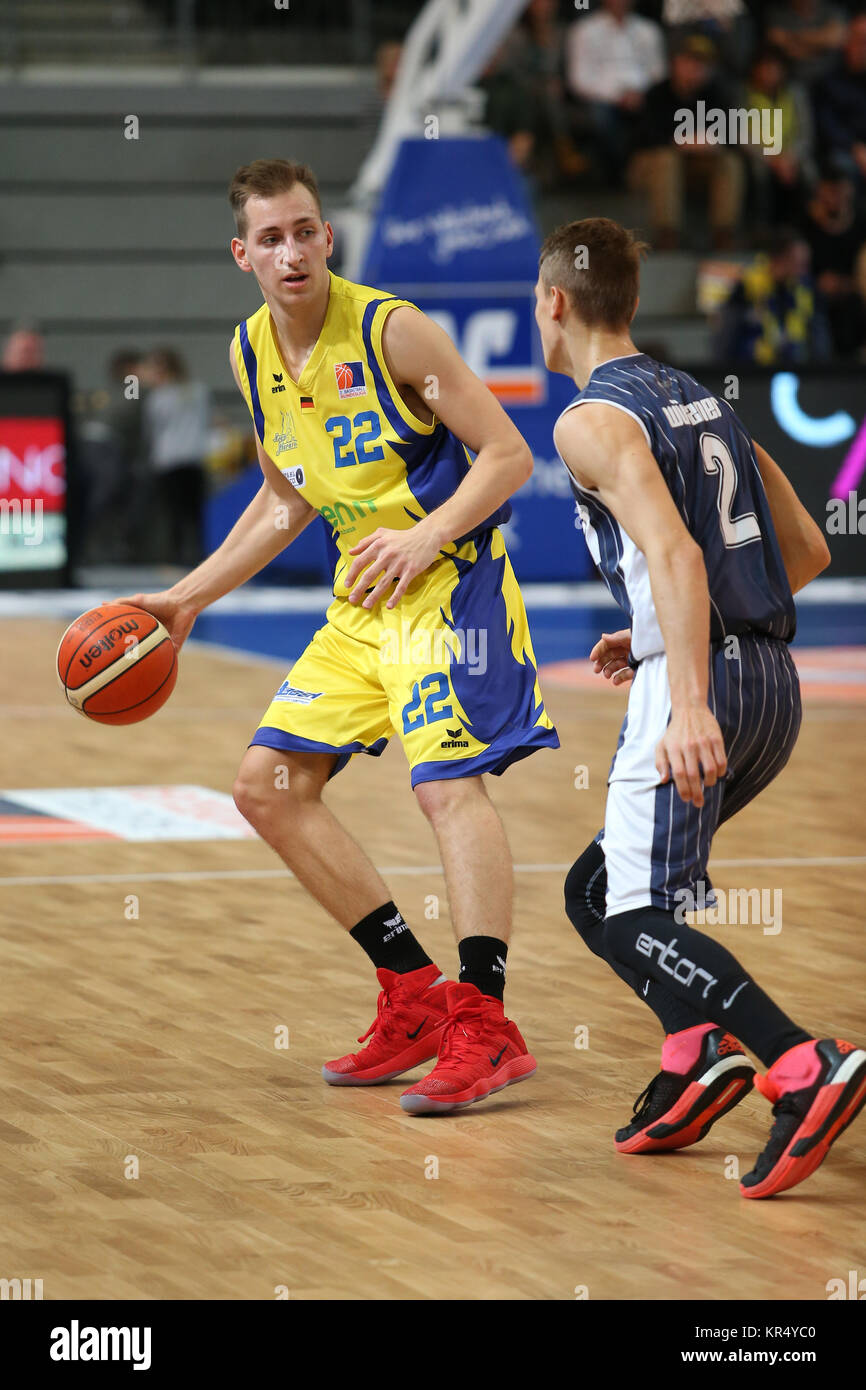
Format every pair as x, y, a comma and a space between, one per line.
294, 475
292, 696
350, 379
692, 412
278, 378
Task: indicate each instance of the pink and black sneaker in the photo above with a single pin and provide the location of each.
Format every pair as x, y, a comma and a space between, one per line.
704, 1074
817, 1089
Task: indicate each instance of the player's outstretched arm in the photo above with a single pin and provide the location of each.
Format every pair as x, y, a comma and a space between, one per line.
420, 355
804, 550
606, 449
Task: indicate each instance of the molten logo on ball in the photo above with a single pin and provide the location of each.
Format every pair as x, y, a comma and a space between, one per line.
108, 642
117, 664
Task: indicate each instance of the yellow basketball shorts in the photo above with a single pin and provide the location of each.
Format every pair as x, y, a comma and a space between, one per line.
451, 669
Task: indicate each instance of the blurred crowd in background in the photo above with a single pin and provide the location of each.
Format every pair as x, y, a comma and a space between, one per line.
597, 97
594, 103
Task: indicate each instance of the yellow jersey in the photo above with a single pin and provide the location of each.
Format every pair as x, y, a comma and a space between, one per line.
342, 434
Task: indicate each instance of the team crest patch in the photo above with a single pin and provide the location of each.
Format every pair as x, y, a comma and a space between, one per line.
292, 696
350, 379
285, 438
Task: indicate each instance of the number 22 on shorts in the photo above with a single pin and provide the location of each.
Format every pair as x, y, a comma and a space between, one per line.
433, 690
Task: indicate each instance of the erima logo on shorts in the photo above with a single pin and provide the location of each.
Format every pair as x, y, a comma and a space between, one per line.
454, 740
685, 970
292, 696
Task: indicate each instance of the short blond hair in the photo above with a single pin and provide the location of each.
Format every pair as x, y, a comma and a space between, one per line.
263, 179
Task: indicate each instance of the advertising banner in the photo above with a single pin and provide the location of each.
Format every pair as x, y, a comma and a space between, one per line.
34, 432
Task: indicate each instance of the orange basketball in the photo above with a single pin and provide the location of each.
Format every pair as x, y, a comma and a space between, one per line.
117, 664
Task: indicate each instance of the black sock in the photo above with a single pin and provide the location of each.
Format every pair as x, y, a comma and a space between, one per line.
482, 963
585, 891
704, 974
388, 941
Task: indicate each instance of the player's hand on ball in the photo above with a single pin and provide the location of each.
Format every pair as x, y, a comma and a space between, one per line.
176, 617
610, 655
389, 557
692, 751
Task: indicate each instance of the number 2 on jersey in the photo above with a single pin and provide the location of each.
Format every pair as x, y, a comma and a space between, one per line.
736, 530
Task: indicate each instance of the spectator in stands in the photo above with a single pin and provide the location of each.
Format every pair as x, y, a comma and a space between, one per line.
388, 57
780, 180
836, 234
840, 103
123, 417
667, 163
810, 33
533, 58
109, 438
176, 419
773, 317
727, 23
613, 57
510, 110
24, 350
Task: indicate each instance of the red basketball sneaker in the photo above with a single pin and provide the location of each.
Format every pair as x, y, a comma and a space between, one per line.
481, 1052
406, 1031
704, 1074
817, 1089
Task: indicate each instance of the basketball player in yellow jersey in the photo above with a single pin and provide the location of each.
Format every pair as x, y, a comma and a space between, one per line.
426, 635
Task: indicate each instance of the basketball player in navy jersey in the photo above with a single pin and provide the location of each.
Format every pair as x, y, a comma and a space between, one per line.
702, 541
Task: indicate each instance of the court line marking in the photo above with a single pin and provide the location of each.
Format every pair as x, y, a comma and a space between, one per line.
393, 871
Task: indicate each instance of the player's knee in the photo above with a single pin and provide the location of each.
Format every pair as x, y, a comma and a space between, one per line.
262, 794
440, 800
252, 799
268, 788
585, 888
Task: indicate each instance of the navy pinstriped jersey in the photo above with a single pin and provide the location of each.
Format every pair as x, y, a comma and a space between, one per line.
708, 462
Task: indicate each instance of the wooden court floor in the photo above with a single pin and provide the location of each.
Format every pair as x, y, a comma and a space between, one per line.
153, 1039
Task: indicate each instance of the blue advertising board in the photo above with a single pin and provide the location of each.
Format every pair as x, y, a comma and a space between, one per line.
456, 235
